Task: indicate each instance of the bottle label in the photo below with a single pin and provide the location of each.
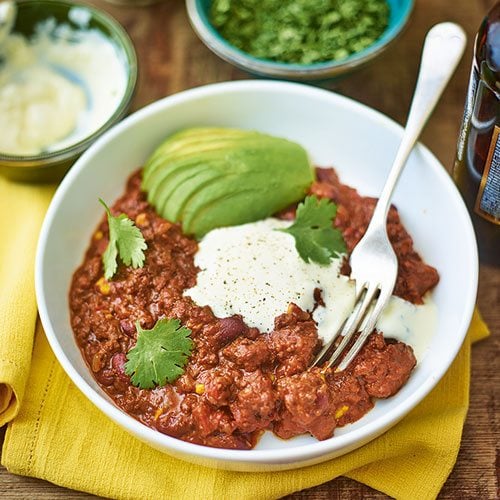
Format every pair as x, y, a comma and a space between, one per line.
488, 196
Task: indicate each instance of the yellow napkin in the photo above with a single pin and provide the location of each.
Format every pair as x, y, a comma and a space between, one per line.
22, 208
59, 436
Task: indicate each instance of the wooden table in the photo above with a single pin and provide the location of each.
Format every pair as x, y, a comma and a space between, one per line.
173, 59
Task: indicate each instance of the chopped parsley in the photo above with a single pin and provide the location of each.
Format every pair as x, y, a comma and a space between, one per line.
316, 239
125, 241
300, 31
159, 355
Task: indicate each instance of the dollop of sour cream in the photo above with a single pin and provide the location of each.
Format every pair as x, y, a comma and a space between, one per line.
57, 87
255, 271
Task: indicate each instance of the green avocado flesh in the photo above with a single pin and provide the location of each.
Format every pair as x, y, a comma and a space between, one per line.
210, 177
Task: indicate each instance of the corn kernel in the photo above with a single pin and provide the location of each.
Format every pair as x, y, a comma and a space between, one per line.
96, 364
272, 376
199, 389
341, 412
98, 235
141, 220
158, 412
103, 286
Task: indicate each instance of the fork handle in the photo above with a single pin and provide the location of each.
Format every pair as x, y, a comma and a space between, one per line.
443, 49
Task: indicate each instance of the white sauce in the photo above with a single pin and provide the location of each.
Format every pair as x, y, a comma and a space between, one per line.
412, 324
255, 271
57, 88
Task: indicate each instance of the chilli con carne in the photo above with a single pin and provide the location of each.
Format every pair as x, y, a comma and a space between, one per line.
238, 382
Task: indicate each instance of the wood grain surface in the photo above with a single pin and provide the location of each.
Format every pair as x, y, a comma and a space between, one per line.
173, 59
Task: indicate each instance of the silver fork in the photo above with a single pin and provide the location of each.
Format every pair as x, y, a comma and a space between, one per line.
374, 265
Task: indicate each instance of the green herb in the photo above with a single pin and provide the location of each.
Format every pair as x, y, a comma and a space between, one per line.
125, 240
159, 355
300, 31
316, 239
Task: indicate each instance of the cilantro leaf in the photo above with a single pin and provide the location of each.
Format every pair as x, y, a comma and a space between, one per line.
125, 240
159, 355
316, 239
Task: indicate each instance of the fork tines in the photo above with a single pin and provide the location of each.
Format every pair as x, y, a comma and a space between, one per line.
362, 319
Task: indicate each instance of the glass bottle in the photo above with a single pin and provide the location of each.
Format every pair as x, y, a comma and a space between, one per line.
477, 165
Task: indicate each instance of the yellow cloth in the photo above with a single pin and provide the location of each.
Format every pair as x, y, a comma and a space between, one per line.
55, 433
22, 208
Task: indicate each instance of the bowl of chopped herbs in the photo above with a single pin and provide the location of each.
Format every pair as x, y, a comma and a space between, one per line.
298, 39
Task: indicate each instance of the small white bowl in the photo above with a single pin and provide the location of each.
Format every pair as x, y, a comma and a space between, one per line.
361, 144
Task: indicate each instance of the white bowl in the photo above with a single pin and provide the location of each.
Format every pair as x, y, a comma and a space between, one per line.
361, 144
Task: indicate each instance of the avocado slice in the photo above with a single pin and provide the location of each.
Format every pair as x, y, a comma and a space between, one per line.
164, 189
169, 171
190, 141
224, 187
173, 207
158, 167
228, 185
172, 194
208, 177
241, 204
251, 167
229, 211
166, 163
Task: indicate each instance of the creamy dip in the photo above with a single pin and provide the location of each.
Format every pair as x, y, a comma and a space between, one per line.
255, 271
57, 87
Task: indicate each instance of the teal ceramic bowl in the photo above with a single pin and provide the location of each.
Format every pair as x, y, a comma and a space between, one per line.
51, 165
198, 11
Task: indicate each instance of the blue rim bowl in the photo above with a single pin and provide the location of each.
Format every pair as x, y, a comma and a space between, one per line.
198, 12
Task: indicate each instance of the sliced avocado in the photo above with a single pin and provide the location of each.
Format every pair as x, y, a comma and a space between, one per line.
233, 185
167, 172
175, 186
252, 168
229, 211
156, 170
173, 207
210, 177
164, 189
158, 154
224, 187
191, 141
246, 204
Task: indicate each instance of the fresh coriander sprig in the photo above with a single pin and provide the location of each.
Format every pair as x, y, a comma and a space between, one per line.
316, 239
125, 241
159, 355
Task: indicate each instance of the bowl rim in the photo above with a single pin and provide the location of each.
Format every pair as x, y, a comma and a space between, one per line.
121, 40
338, 444
233, 55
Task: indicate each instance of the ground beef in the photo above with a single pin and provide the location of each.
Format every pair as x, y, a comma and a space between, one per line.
238, 382
219, 386
248, 354
293, 341
351, 398
307, 405
383, 367
254, 406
